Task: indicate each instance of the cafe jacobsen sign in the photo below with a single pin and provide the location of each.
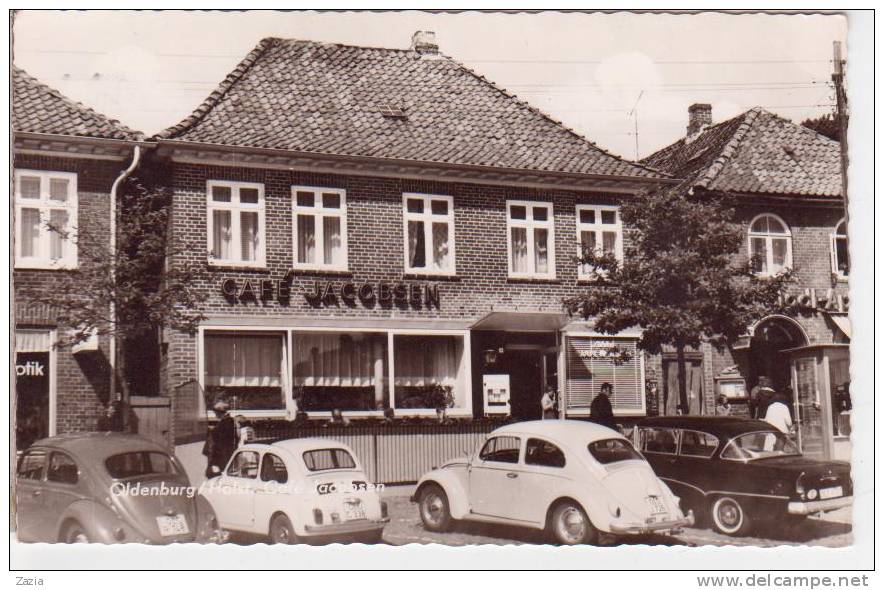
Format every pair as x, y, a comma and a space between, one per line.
326, 293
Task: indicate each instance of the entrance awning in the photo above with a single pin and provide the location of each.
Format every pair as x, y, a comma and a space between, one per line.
842, 321
518, 321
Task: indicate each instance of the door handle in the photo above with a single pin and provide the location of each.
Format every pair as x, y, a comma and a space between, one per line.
512, 475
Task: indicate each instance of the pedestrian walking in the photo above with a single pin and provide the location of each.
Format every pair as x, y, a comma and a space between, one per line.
778, 415
548, 404
221, 440
600, 410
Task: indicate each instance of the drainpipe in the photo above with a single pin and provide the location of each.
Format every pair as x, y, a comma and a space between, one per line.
136, 157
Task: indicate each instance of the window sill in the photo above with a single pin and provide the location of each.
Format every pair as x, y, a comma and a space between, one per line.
418, 276
262, 268
328, 272
43, 266
534, 280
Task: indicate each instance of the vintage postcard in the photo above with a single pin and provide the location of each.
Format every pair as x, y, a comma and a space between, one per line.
449, 279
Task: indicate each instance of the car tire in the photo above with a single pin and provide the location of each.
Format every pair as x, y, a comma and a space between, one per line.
729, 517
434, 508
281, 531
570, 525
75, 533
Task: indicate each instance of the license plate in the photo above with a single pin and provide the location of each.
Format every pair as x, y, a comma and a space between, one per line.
172, 525
656, 505
353, 510
835, 492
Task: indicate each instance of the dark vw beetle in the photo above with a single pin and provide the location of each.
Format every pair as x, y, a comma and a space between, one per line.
107, 488
739, 472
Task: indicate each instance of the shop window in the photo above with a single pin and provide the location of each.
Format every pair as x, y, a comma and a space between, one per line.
45, 219
530, 240
592, 362
340, 371
320, 228
598, 230
501, 449
543, 453
246, 369
428, 372
842, 405
429, 233
840, 253
235, 221
771, 241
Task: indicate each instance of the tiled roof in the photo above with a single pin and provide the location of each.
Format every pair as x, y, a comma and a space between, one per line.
37, 108
337, 99
756, 152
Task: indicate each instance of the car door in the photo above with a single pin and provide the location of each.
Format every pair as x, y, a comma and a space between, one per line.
694, 469
233, 495
494, 477
29, 494
660, 448
63, 487
541, 478
270, 492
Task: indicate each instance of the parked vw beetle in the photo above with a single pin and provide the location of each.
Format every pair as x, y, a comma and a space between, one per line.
574, 479
307, 489
107, 488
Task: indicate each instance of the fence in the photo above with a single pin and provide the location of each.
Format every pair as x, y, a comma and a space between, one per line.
396, 454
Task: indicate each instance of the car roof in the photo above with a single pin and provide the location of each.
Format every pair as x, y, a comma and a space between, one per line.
99, 444
729, 426
567, 431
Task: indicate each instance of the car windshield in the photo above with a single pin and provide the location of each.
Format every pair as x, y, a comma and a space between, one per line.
325, 459
760, 445
140, 464
613, 450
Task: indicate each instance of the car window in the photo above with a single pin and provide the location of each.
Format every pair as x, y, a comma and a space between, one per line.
612, 450
139, 464
698, 444
544, 453
62, 469
760, 445
501, 449
325, 459
244, 464
31, 465
273, 469
659, 440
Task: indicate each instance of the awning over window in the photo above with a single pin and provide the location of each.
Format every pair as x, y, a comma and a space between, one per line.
842, 321
518, 321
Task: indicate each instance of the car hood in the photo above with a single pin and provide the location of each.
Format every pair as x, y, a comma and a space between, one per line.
630, 483
141, 501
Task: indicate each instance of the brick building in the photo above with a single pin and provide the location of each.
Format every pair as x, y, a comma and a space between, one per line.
66, 158
785, 182
377, 227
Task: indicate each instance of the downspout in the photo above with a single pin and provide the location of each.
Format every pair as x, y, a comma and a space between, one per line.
136, 157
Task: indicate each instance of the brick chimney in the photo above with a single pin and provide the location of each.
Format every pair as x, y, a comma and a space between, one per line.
699, 117
424, 43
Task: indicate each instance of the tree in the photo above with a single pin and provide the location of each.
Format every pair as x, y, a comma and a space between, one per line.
824, 125
682, 280
132, 293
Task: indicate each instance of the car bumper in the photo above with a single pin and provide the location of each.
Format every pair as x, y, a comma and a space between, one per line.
346, 528
804, 508
645, 528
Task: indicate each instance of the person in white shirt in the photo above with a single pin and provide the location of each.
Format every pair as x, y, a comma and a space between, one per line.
548, 404
778, 415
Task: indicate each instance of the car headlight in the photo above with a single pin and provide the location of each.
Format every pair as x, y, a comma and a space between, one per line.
317, 516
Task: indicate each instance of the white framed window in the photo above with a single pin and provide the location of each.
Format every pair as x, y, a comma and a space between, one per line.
530, 239
319, 228
45, 219
599, 229
429, 233
235, 212
840, 253
771, 240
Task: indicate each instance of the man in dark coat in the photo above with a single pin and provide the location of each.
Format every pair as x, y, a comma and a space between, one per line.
600, 411
223, 439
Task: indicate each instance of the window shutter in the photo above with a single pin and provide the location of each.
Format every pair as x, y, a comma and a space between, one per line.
591, 363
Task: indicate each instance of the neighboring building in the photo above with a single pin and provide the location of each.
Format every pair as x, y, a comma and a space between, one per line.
784, 181
65, 159
374, 226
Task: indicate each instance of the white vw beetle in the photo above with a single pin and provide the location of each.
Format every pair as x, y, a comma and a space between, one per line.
297, 490
571, 478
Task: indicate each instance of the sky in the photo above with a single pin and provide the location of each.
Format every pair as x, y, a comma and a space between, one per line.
603, 75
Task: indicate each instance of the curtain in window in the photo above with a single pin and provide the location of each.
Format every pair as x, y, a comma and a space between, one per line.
425, 360
248, 229
58, 219
29, 187
779, 253
306, 238
221, 234
440, 246
417, 257
243, 360
842, 256
30, 231
335, 359
58, 189
519, 247
332, 247
609, 242
541, 252
759, 249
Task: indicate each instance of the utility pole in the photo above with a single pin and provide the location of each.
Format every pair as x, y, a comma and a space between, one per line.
634, 113
841, 115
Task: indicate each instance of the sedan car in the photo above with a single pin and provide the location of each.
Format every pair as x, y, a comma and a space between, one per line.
307, 489
738, 472
107, 488
573, 479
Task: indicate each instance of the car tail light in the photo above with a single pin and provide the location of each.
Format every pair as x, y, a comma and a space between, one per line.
812, 494
317, 516
119, 533
335, 517
384, 509
799, 485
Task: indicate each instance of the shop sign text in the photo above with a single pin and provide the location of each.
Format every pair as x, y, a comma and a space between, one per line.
815, 300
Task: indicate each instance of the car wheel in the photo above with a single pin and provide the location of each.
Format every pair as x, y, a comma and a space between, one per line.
282, 531
570, 525
75, 533
434, 510
729, 517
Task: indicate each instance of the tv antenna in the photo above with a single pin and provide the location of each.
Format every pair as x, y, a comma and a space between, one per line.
634, 114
